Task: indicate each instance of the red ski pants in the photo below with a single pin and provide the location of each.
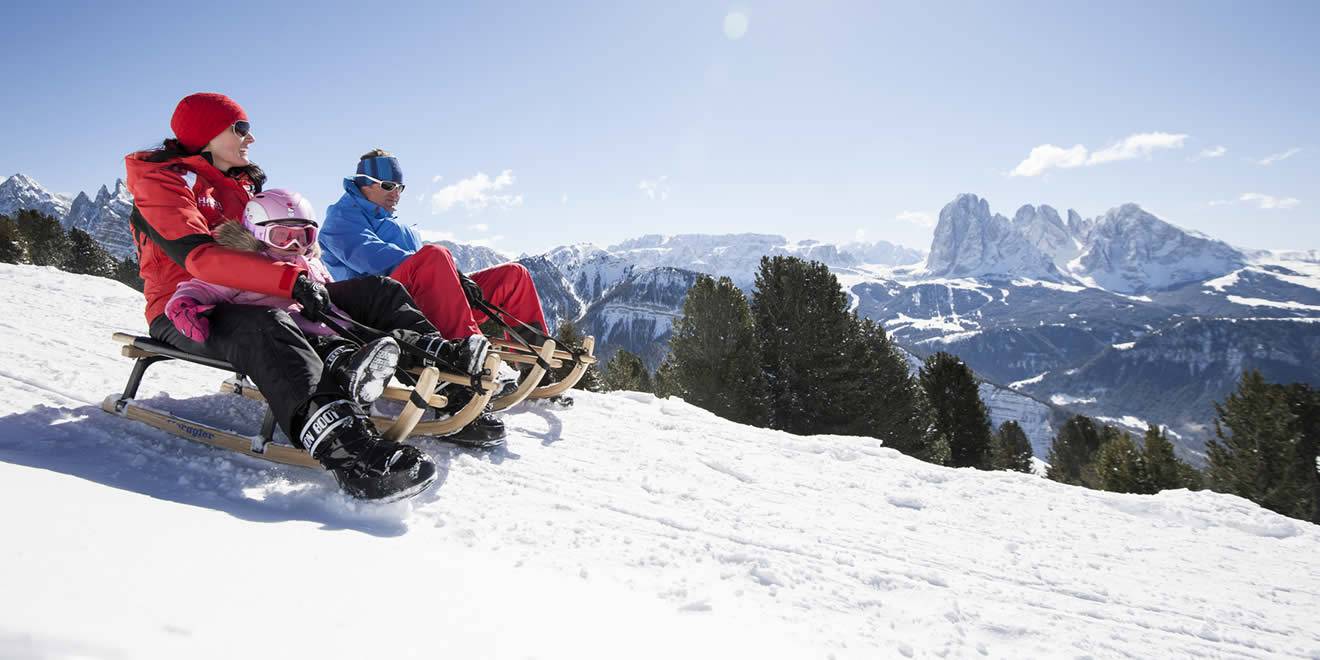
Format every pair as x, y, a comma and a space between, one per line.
432, 278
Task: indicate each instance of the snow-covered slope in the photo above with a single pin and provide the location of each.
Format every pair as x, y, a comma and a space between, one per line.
624, 527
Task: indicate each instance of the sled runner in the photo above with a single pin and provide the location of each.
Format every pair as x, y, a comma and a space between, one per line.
146, 352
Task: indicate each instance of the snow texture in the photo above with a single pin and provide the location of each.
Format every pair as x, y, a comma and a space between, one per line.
626, 526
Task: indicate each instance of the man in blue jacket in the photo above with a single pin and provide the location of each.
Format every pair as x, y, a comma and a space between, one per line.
361, 236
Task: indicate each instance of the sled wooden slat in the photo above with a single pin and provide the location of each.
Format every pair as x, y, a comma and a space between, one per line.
469, 412
405, 394
525, 358
232, 386
555, 389
134, 352
504, 345
205, 434
402, 425
529, 382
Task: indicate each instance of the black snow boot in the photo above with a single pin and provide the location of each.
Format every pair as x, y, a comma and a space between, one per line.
342, 438
363, 372
485, 431
468, 354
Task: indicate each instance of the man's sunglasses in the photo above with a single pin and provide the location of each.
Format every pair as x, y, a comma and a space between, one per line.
242, 128
387, 186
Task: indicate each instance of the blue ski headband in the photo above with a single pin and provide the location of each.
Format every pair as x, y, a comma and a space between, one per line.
384, 168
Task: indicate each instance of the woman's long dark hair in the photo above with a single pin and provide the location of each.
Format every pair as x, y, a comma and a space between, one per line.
170, 149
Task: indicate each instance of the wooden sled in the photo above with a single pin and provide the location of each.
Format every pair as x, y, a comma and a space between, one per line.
146, 352
514, 352
409, 421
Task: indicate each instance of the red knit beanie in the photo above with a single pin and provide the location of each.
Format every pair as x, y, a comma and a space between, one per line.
200, 117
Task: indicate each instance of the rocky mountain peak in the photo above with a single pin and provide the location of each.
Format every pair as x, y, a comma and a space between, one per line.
971, 242
1130, 250
1047, 232
22, 193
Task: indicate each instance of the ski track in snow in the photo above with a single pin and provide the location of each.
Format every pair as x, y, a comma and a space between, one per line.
780, 545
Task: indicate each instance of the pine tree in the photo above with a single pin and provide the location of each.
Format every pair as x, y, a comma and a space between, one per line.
959, 413
626, 371
1266, 447
1164, 471
1012, 448
1072, 452
47, 243
568, 333
86, 257
1119, 466
13, 246
127, 271
802, 327
665, 381
714, 362
888, 401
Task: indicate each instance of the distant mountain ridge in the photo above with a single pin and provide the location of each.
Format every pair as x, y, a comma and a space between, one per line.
1127, 250
105, 217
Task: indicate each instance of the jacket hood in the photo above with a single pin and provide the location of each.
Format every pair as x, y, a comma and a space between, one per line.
235, 236
229, 192
374, 211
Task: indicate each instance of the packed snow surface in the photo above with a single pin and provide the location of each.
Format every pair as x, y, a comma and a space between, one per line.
626, 526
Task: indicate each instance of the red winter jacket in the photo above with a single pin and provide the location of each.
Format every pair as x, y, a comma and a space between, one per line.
176, 204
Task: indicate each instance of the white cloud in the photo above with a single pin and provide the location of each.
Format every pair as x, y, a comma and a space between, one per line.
1212, 152
477, 193
484, 242
1046, 156
1221, 202
1274, 158
1270, 201
656, 189
1139, 145
919, 218
480, 226
563, 199
432, 236
859, 235
436, 178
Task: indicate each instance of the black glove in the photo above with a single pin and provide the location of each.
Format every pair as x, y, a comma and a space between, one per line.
471, 289
313, 297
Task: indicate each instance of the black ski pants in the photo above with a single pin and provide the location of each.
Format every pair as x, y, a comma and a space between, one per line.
267, 346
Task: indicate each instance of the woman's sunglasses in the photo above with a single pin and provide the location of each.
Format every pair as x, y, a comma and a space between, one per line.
387, 186
242, 128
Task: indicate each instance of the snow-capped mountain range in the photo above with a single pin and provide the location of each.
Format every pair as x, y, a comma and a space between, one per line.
1049, 303
1127, 250
105, 217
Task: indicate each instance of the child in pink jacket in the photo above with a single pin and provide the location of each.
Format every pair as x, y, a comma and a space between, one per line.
282, 225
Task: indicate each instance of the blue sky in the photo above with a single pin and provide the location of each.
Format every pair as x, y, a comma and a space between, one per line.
526, 125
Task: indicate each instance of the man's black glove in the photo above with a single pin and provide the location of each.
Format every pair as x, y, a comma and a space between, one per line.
471, 289
313, 297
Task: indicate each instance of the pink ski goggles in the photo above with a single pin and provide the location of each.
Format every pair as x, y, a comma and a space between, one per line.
286, 236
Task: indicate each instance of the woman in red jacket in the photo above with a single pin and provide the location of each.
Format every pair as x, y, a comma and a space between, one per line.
183, 190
